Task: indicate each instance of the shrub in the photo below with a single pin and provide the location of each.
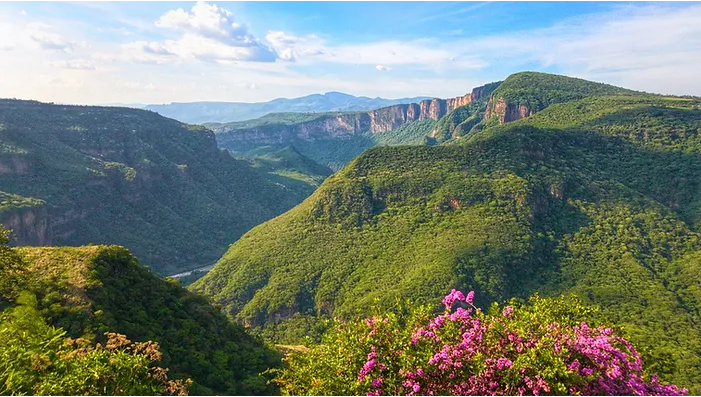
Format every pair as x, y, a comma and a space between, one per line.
543, 347
38, 359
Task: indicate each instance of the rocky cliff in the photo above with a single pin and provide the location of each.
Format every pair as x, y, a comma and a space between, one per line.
342, 125
29, 226
505, 111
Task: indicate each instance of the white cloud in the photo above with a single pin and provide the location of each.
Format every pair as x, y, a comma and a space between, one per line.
42, 34
647, 48
194, 53
76, 64
210, 33
290, 47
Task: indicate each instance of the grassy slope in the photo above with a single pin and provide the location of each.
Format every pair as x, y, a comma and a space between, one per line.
132, 177
595, 196
93, 289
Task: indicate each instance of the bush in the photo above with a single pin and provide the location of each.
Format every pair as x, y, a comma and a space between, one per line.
543, 347
36, 358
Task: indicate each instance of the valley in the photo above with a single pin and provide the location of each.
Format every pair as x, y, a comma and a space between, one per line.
533, 192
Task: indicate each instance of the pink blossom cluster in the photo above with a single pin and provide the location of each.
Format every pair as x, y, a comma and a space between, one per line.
484, 355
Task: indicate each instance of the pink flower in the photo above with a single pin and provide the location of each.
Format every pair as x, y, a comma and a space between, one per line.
504, 363
452, 297
508, 311
470, 297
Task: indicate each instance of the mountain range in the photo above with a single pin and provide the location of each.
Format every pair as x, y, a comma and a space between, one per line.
560, 186
211, 112
538, 184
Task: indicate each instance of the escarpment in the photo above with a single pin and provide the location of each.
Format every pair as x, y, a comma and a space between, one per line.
29, 226
343, 125
506, 111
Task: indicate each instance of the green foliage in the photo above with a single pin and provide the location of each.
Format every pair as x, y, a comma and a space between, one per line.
130, 177
394, 353
413, 133
288, 166
320, 142
88, 291
598, 196
11, 267
38, 359
12, 202
537, 91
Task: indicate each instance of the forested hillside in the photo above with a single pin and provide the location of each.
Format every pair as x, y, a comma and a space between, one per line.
88, 291
73, 175
594, 190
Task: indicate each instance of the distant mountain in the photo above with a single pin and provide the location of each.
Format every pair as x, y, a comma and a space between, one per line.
335, 138
74, 175
558, 186
222, 112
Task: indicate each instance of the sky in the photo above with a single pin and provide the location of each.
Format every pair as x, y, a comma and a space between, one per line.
162, 52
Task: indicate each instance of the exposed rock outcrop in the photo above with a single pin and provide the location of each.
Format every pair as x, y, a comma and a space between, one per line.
349, 124
30, 226
506, 112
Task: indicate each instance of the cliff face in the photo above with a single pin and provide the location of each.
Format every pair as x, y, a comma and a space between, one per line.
506, 112
30, 226
349, 124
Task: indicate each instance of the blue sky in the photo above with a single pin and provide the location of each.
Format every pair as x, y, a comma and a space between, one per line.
160, 52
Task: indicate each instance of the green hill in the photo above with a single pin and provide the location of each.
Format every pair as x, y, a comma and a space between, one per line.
130, 177
289, 166
91, 290
597, 194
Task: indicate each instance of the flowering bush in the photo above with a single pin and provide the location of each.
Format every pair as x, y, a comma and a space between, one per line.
544, 347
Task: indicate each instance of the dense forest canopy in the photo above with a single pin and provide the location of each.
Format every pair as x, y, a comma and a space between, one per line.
596, 195
93, 293
73, 175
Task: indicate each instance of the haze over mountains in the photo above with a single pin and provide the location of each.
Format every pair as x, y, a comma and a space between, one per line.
222, 112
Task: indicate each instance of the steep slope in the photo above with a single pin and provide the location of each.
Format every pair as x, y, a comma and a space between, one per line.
212, 112
333, 139
73, 175
523, 94
288, 166
598, 196
96, 289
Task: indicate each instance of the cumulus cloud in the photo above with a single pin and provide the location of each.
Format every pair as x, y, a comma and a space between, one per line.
382, 68
290, 47
76, 64
208, 33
